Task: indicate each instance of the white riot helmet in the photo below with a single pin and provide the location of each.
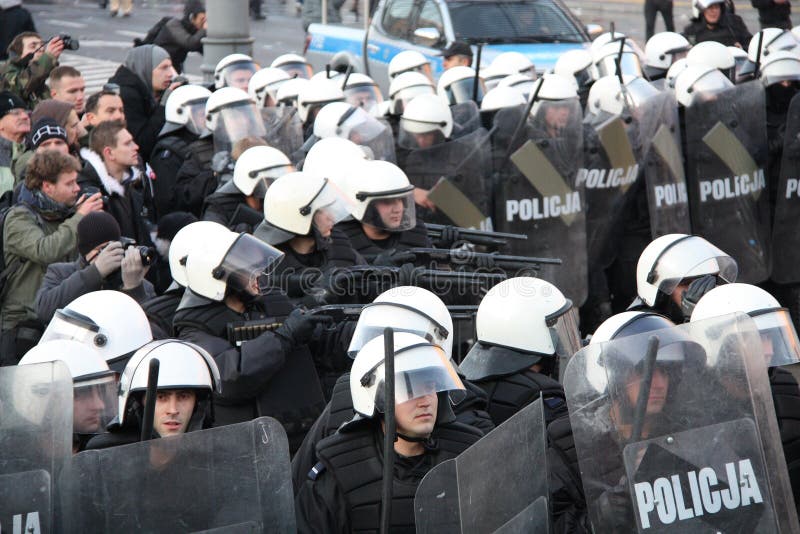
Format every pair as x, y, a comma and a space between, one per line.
605, 38
314, 95
514, 63
664, 48
699, 82
234, 70
298, 201
605, 60
380, 195
331, 157
186, 107
187, 239
257, 168
713, 54
552, 88
295, 65
774, 40
182, 365
456, 85
231, 262
361, 91
609, 96
94, 384
578, 64
620, 325
520, 322
232, 115
675, 71
674, 258
340, 119
502, 97
521, 83
742, 63
698, 6
289, 90
780, 67
405, 87
264, 85
110, 322
425, 114
409, 61
420, 368
405, 309
773, 321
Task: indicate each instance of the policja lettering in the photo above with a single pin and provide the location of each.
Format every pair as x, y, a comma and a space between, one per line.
737, 186
671, 194
32, 524
665, 495
543, 208
792, 187
608, 178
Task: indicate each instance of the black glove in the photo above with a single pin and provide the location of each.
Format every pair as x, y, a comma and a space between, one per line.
450, 235
408, 275
485, 263
299, 326
695, 292
393, 258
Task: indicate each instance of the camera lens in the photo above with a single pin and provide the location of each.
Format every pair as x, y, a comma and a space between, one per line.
147, 254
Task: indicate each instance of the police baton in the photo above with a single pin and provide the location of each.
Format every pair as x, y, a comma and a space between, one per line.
476, 80
644, 391
150, 400
389, 429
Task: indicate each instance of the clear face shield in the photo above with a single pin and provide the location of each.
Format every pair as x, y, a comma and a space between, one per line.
94, 404
236, 122
690, 257
425, 69
778, 336
462, 90
564, 333
629, 64
420, 370
238, 74
297, 70
555, 117
197, 116
392, 211
248, 264
377, 316
267, 93
328, 206
405, 95
411, 139
67, 324
363, 129
265, 176
367, 97
707, 86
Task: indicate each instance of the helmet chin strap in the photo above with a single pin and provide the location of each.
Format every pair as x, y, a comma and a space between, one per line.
411, 439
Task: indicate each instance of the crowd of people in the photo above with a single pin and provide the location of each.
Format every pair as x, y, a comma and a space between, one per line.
603, 252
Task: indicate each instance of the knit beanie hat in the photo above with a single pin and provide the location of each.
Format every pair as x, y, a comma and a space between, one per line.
45, 129
171, 223
96, 228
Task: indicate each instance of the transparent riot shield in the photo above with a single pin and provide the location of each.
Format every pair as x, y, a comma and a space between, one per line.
537, 191
662, 160
675, 431
35, 440
726, 156
466, 118
497, 485
457, 174
284, 128
237, 123
610, 169
219, 480
786, 263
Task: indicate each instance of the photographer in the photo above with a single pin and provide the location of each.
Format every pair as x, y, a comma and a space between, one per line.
181, 36
29, 65
103, 264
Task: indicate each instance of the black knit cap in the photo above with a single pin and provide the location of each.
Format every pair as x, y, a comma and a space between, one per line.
9, 101
45, 129
96, 228
171, 223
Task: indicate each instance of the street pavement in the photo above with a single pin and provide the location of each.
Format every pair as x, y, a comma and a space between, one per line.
105, 40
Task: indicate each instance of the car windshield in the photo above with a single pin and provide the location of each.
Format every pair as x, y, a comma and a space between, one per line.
515, 21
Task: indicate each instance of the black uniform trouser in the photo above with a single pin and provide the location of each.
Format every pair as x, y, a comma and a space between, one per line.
651, 8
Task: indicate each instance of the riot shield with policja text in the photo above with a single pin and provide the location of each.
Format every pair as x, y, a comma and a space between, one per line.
497, 485
675, 431
726, 159
36, 443
222, 478
537, 192
786, 263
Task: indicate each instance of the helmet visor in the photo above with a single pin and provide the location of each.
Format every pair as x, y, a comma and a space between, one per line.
778, 337
297, 69
690, 257
236, 122
67, 324
328, 207
248, 264
390, 212
238, 74
366, 97
462, 90
564, 333
402, 97
94, 404
265, 176
377, 316
629, 64
708, 85
417, 134
196, 122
